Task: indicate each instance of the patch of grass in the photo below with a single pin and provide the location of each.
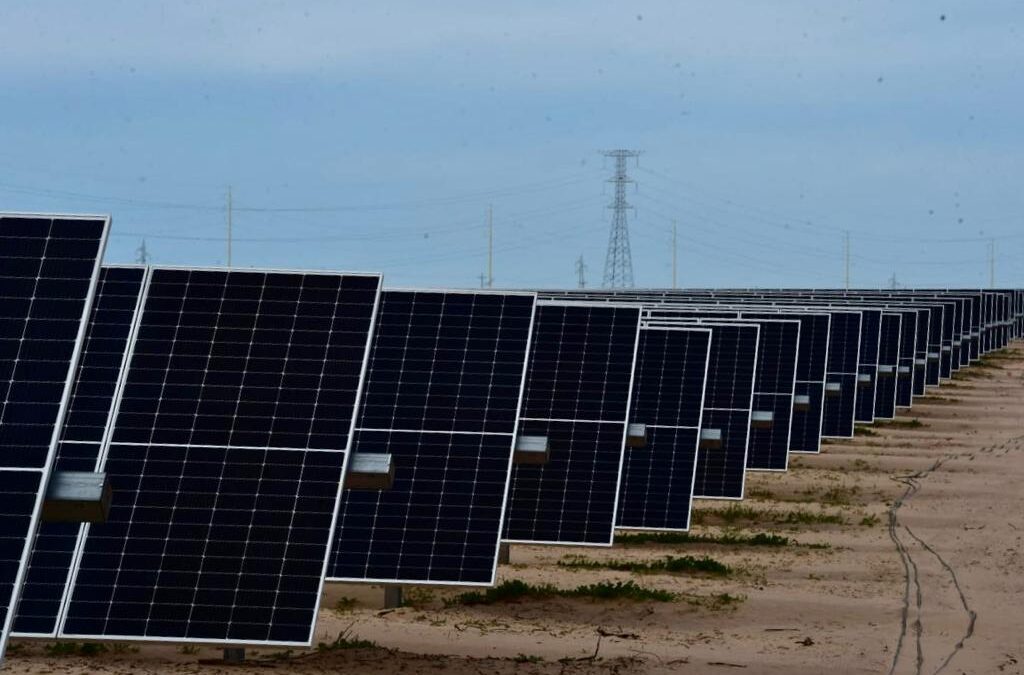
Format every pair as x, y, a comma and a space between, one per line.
913, 423
730, 514
737, 512
715, 601
970, 373
189, 649
75, 649
345, 604
988, 362
938, 400
727, 538
524, 658
123, 648
1007, 353
417, 597
870, 521
513, 590
343, 641
839, 496
760, 493
861, 430
810, 518
685, 564
863, 465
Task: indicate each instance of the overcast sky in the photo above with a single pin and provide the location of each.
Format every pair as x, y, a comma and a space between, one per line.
373, 136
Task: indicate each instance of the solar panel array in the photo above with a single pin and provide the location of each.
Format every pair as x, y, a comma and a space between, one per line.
577, 395
224, 407
48, 272
443, 394
226, 453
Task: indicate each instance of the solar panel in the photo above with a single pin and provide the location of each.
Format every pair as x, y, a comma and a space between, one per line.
668, 397
577, 394
843, 355
442, 397
809, 388
867, 366
229, 443
103, 353
888, 364
728, 400
48, 271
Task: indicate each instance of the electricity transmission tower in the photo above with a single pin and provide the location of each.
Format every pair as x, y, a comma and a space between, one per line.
141, 254
581, 273
618, 263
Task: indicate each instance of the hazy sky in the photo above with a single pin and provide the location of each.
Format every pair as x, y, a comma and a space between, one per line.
373, 136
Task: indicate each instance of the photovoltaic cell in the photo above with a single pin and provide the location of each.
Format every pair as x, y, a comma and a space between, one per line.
668, 396
229, 445
99, 368
442, 396
48, 271
577, 394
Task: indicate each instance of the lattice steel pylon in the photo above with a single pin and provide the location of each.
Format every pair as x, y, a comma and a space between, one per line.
618, 263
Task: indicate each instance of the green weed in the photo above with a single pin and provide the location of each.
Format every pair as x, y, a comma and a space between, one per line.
685, 564
515, 589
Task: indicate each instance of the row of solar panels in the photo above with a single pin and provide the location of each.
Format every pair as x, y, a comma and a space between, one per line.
227, 409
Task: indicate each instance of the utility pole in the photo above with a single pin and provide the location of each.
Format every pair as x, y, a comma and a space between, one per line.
992, 263
846, 249
893, 284
229, 226
490, 247
674, 284
483, 280
618, 263
581, 273
141, 254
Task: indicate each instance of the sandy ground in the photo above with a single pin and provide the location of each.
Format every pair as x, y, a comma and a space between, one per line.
931, 518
